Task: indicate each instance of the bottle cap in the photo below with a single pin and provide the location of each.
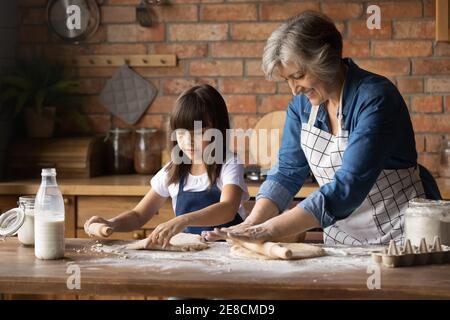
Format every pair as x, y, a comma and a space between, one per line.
48, 172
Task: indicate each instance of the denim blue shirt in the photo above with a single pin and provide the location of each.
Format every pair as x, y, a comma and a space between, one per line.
380, 137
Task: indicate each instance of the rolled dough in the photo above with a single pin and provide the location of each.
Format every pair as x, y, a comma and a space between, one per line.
179, 242
299, 251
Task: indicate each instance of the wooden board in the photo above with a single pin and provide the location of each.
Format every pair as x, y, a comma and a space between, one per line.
265, 140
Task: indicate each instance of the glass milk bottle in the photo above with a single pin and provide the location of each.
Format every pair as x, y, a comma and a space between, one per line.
49, 218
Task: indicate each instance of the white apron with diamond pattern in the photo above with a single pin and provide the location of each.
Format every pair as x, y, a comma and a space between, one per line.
379, 218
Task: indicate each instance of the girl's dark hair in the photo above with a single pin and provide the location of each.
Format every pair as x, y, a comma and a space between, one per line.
199, 103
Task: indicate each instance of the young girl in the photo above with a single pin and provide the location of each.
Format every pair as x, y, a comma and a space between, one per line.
205, 194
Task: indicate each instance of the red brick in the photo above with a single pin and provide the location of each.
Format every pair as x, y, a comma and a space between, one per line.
216, 68
177, 86
430, 161
420, 142
433, 142
356, 48
228, 12
198, 32
410, 85
400, 9
162, 104
413, 29
123, 2
357, 29
386, 67
243, 121
99, 123
261, 85
33, 34
134, 33
431, 66
52, 50
285, 10
105, 49
252, 31
429, 8
98, 37
96, 72
91, 86
241, 103
274, 103
146, 121
436, 84
442, 49
33, 16
182, 50
342, 11
195, 1
91, 105
401, 48
283, 87
253, 68
32, 3
176, 13
431, 123
237, 49
118, 14
427, 104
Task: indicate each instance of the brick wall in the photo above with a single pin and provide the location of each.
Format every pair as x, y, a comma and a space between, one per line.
220, 42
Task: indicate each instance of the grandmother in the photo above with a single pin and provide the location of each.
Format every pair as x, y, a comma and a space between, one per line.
350, 128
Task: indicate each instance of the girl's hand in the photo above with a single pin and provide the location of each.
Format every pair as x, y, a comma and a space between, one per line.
96, 219
165, 231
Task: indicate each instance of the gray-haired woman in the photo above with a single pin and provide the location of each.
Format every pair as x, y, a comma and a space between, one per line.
351, 129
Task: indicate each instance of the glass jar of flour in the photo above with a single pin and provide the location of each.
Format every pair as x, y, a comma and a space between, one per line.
26, 231
49, 218
426, 219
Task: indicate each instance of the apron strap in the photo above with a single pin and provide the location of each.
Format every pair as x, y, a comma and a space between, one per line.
313, 115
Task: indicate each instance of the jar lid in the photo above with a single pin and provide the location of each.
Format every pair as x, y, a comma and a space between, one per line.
438, 209
146, 130
11, 221
120, 130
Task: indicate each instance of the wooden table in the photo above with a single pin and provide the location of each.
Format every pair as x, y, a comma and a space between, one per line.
161, 275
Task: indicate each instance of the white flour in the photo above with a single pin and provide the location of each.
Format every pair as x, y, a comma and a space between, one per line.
217, 260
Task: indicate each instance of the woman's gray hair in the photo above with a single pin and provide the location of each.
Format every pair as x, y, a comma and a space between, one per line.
310, 40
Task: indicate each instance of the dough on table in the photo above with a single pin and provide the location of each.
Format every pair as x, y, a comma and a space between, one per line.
179, 242
299, 251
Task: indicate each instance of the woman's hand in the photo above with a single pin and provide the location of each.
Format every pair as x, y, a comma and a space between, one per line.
97, 219
165, 231
221, 233
257, 233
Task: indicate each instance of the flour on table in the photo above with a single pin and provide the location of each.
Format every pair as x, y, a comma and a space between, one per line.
179, 242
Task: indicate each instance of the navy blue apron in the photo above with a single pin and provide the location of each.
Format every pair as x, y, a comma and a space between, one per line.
192, 201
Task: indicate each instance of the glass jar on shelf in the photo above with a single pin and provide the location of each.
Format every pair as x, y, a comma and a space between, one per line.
120, 151
444, 163
147, 152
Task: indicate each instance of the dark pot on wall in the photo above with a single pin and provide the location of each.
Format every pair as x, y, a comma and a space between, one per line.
40, 125
6, 133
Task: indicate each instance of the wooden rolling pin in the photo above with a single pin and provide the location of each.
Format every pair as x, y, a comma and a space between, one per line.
100, 230
270, 249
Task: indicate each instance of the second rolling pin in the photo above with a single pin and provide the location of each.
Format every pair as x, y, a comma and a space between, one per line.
270, 249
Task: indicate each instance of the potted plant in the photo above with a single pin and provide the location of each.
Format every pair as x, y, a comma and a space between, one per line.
41, 92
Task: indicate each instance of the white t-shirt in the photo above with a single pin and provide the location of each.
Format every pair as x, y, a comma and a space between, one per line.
231, 173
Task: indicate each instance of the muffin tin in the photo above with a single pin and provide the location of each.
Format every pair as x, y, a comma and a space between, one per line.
409, 255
